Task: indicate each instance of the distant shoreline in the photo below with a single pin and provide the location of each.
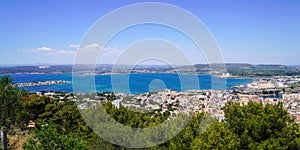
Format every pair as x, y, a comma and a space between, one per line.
182, 73
236, 70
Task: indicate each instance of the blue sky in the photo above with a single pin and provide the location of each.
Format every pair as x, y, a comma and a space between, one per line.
47, 31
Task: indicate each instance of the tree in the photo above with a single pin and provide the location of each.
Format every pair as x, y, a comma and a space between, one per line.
9, 105
34, 105
261, 126
9, 102
53, 137
218, 136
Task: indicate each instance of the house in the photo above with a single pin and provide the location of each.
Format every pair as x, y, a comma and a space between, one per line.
83, 106
117, 103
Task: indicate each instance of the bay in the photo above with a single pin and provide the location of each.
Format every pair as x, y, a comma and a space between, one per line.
132, 83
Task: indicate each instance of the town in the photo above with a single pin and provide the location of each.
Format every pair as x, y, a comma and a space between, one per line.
284, 89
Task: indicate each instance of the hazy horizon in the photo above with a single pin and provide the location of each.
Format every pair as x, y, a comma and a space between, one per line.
53, 64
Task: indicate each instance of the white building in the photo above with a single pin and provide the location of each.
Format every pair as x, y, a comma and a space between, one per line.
291, 96
83, 106
117, 103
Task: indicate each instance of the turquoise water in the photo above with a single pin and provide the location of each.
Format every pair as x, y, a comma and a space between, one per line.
130, 83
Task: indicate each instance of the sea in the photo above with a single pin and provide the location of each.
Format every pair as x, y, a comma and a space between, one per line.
128, 83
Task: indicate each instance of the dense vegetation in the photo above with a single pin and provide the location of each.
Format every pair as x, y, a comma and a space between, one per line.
59, 125
262, 70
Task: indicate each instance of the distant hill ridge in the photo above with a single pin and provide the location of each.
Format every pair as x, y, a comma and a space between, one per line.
238, 69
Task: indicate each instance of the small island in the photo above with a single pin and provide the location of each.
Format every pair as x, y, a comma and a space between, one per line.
42, 83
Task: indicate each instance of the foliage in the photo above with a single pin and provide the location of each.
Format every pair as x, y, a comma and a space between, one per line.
261, 126
53, 137
218, 136
9, 102
251, 126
